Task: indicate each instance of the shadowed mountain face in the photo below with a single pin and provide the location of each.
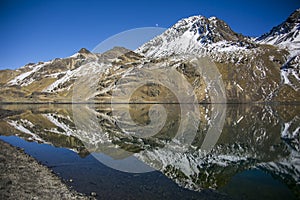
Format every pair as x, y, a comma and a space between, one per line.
252, 70
263, 137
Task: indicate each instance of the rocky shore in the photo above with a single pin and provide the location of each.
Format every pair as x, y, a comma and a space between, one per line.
22, 177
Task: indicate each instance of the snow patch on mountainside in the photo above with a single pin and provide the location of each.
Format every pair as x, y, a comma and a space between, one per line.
290, 72
286, 74
88, 69
20, 80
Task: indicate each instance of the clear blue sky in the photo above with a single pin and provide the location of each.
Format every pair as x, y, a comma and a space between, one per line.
40, 30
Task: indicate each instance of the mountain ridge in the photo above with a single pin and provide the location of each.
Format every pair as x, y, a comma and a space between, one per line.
252, 71
288, 30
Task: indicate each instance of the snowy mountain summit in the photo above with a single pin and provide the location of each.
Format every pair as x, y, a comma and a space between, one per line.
195, 34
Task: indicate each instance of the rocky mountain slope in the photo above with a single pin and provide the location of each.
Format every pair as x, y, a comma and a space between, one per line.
261, 70
287, 36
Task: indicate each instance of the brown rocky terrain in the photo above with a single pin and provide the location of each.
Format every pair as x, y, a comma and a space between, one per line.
22, 177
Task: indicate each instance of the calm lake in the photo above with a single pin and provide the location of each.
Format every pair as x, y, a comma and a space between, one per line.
166, 151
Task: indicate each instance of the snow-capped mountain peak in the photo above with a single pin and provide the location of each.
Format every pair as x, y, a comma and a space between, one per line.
286, 34
207, 30
194, 34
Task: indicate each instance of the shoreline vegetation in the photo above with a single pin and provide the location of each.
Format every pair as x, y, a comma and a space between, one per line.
22, 177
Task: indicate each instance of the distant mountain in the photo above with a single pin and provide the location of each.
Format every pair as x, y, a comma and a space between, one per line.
53, 81
287, 34
261, 70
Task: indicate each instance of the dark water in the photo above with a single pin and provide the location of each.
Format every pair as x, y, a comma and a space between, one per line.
142, 152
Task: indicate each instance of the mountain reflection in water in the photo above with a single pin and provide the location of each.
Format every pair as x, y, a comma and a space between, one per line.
215, 151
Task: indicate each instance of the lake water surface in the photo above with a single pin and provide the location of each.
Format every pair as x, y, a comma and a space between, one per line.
145, 151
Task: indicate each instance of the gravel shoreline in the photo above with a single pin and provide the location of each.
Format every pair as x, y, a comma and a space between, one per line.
22, 177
